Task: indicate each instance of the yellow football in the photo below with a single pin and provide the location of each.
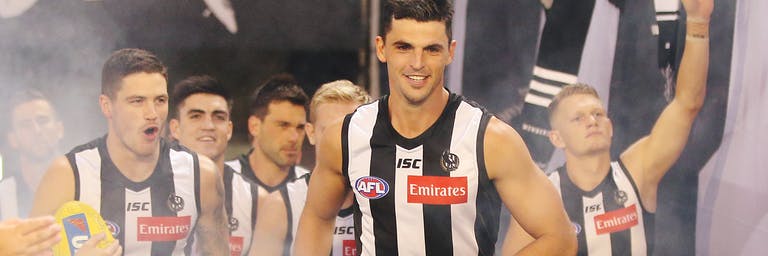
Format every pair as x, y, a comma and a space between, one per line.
79, 222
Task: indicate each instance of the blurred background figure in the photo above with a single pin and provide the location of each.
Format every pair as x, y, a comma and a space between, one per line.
331, 102
33, 135
276, 124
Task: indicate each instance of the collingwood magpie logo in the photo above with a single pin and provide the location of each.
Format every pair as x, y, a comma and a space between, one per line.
620, 196
449, 161
175, 203
233, 224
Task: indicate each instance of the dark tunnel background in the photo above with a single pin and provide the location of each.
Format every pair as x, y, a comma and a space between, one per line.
58, 46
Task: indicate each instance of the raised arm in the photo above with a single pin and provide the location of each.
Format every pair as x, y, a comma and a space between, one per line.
527, 193
652, 156
327, 189
212, 230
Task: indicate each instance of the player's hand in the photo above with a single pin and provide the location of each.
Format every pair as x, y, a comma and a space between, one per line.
90, 247
698, 9
28, 236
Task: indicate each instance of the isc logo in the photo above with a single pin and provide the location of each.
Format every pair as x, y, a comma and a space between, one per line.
137, 206
592, 208
408, 163
371, 187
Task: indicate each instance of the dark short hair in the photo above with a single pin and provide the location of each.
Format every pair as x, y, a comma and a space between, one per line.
198, 84
23, 96
20, 97
569, 90
125, 62
280, 87
419, 10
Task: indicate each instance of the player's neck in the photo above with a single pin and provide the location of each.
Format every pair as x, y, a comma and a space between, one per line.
587, 172
266, 170
411, 120
134, 166
219, 165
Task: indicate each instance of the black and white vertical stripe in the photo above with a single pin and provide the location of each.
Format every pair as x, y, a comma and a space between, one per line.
245, 188
391, 225
240, 200
100, 184
584, 206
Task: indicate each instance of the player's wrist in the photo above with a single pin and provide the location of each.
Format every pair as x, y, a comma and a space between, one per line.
697, 28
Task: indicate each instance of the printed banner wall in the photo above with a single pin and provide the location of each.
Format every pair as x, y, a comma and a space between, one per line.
733, 197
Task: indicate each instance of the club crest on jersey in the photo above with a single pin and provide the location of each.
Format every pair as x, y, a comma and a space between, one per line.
371, 187
175, 203
449, 161
113, 227
233, 223
621, 197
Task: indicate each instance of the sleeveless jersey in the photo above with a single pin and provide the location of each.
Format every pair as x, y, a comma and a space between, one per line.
244, 199
242, 214
610, 219
153, 217
428, 195
344, 234
9, 207
15, 195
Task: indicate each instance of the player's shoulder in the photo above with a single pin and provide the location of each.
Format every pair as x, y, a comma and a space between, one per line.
94, 144
500, 131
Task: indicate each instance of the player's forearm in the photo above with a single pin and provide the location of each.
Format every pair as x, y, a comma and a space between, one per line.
213, 243
552, 244
213, 234
314, 236
692, 76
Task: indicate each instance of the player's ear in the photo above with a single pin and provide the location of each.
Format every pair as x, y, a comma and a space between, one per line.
106, 105
254, 125
380, 49
451, 50
173, 127
556, 139
310, 130
229, 130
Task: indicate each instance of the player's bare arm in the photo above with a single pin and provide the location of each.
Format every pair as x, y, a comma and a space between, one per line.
212, 225
56, 188
652, 156
527, 192
327, 190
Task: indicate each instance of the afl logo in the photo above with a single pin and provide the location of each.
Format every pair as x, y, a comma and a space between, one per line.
449, 161
371, 187
113, 228
576, 227
175, 203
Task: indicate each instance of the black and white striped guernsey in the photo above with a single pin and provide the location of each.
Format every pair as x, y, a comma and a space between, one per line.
428, 195
242, 214
610, 219
153, 217
242, 193
344, 234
